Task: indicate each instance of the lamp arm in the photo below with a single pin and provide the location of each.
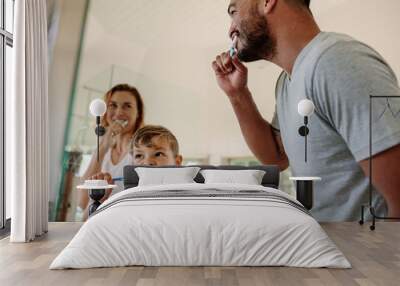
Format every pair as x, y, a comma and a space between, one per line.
305, 146
98, 137
305, 137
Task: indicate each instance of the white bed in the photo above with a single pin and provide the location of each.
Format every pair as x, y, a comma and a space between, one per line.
224, 225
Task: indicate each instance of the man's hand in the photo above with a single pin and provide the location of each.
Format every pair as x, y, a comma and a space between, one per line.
231, 74
108, 178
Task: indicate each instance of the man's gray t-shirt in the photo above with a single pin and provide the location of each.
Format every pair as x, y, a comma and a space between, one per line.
338, 74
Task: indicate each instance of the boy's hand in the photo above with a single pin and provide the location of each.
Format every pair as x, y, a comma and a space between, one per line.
108, 178
231, 74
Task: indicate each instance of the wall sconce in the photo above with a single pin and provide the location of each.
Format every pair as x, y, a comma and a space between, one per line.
305, 108
304, 185
98, 108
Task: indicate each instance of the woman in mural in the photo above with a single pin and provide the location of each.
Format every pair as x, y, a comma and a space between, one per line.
124, 115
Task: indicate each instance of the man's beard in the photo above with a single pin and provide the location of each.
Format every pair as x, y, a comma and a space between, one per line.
258, 42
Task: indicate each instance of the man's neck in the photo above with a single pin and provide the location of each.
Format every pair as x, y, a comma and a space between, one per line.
291, 39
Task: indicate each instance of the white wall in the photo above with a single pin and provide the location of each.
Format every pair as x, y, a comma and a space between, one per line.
172, 69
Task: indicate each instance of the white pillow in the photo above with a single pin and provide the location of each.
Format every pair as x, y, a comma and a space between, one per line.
248, 177
165, 176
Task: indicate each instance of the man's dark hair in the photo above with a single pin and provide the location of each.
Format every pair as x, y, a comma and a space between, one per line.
304, 3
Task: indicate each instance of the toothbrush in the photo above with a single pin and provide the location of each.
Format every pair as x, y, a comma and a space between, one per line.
232, 49
123, 123
116, 179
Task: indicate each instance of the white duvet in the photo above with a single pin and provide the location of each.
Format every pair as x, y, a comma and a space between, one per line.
202, 231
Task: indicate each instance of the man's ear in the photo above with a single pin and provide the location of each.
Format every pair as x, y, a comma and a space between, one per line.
269, 5
178, 160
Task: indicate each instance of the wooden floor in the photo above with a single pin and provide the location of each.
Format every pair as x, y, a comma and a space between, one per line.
375, 257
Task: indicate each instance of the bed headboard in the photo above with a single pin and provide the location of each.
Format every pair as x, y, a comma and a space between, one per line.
270, 179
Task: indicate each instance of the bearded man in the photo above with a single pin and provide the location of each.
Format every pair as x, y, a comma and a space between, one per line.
337, 73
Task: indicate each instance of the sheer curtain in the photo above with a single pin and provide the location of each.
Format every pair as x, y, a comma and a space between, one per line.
27, 123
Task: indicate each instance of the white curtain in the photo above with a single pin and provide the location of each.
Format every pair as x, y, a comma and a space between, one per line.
27, 123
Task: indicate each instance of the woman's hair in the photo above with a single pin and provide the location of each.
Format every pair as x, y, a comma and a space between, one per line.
139, 103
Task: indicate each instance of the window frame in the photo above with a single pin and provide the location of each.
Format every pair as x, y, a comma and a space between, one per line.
6, 39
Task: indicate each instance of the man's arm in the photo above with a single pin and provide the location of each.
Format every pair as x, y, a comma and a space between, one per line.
386, 177
263, 140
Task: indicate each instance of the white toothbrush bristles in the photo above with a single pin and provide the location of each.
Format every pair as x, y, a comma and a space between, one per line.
233, 50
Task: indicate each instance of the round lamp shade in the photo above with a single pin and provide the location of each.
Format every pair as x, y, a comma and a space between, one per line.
97, 107
305, 107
